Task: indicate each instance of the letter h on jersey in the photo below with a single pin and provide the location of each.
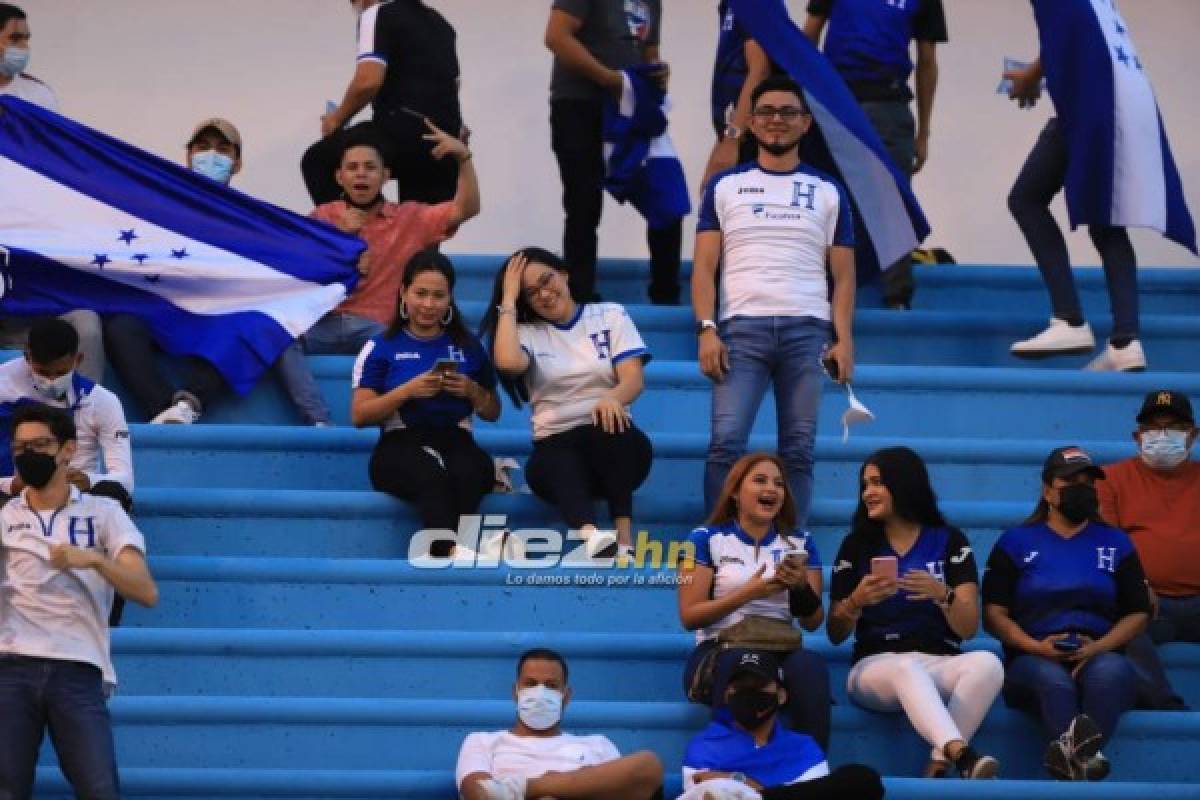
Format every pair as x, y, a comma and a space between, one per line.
75, 534
806, 192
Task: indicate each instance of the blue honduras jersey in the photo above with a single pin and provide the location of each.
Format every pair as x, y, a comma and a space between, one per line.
868, 40
1053, 584
729, 69
386, 363
787, 757
898, 625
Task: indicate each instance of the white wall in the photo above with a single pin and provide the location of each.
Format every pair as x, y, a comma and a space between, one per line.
147, 70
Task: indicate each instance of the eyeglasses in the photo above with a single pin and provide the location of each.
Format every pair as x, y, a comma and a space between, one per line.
787, 113
531, 292
40, 445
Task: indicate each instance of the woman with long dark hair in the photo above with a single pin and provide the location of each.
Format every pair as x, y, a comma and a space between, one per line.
905, 583
1064, 594
421, 381
581, 367
752, 561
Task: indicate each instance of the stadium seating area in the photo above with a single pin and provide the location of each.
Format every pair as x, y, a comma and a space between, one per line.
296, 653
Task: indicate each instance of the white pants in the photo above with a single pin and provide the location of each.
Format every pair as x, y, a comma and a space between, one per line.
945, 697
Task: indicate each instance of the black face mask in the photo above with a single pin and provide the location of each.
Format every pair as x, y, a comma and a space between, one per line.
750, 707
36, 469
1078, 503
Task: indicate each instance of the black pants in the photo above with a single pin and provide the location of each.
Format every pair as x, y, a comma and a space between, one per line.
570, 469
577, 136
442, 470
851, 781
419, 177
1041, 178
133, 353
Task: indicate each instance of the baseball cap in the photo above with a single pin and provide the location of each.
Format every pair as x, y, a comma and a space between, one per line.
221, 126
759, 663
1167, 401
1063, 462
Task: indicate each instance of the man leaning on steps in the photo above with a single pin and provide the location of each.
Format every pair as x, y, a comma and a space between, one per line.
1155, 498
535, 759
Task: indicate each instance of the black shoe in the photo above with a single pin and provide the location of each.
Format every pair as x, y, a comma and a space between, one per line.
1068, 756
974, 766
1096, 768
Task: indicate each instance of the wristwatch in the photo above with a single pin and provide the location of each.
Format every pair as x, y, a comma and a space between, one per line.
948, 600
732, 131
704, 325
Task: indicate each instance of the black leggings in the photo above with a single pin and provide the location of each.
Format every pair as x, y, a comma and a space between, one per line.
571, 468
1040, 180
442, 470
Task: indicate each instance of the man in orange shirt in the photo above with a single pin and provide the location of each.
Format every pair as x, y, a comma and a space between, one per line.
394, 233
1155, 498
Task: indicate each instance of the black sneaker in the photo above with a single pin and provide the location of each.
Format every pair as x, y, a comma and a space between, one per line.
1067, 755
1096, 768
974, 766
1058, 761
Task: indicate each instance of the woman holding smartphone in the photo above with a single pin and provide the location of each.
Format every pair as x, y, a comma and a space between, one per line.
1064, 594
905, 583
751, 561
421, 382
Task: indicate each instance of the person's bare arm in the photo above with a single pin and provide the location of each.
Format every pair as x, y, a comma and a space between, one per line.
813, 26
698, 610
127, 573
926, 79
712, 353
561, 40
841, 266
634, 777
725, 151
366, 83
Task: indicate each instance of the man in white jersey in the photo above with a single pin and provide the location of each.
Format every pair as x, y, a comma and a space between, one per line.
63, 555
535, 759
773, 225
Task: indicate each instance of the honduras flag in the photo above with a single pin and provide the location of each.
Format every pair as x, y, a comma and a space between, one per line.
1119, 165
842, 141
642, 167
92, 222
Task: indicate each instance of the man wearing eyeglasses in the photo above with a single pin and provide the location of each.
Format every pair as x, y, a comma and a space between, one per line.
772, 224
868, 44
64, 555
1155, 498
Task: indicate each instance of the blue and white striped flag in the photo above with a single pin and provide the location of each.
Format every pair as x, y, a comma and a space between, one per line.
842, 140
1119, 165
92, 222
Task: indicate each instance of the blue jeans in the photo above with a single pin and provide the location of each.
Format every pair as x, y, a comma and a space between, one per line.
1178, 620
66, 697
784, 351
1104, 690
333, 334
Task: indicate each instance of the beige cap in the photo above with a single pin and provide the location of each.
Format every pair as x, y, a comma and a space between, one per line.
221, 126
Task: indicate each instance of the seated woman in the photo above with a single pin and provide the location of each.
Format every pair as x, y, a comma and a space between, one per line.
907, 586
750, 561
581, 366
421, 381
1064, 593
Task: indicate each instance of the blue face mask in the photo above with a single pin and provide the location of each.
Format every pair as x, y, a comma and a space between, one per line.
15, 60
214, 165
1164, 449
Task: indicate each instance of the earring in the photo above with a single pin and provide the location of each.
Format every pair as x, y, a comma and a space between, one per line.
402, 311
449, 316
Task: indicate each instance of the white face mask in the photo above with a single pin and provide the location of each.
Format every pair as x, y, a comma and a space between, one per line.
539, 707
55, 389
1163, 449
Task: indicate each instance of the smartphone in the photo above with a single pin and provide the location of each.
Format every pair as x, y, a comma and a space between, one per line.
445, 366
831, 367
885, 567
1069, 644
797, 557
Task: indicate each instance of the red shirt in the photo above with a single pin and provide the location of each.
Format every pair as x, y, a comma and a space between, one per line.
1160, 510
393, 236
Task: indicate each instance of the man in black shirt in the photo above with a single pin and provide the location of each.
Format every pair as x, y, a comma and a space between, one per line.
408, 71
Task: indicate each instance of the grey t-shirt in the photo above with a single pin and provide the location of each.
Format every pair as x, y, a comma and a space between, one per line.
614, 31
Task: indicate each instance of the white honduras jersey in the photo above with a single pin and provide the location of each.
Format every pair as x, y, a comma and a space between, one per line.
572, 364
52, 613
502, 754
776, 230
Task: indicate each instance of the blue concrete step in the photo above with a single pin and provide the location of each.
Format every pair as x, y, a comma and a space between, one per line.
360, 733
351, 784
479, 664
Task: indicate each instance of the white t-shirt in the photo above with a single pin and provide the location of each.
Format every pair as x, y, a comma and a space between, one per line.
776, 231
31, 90
573, 364
60, 614
502, 753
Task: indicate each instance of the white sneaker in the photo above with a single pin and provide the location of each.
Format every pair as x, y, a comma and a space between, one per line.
511, 787
602, 544
502, 546
1130, 358
1058, 339
180, 413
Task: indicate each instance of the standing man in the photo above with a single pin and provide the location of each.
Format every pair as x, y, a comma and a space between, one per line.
868, 44
592, 42
772, 224
408, 72
64, 555
1155, 498
14, 58
740, 65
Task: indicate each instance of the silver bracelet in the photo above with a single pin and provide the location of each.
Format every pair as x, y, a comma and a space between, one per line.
506, 310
